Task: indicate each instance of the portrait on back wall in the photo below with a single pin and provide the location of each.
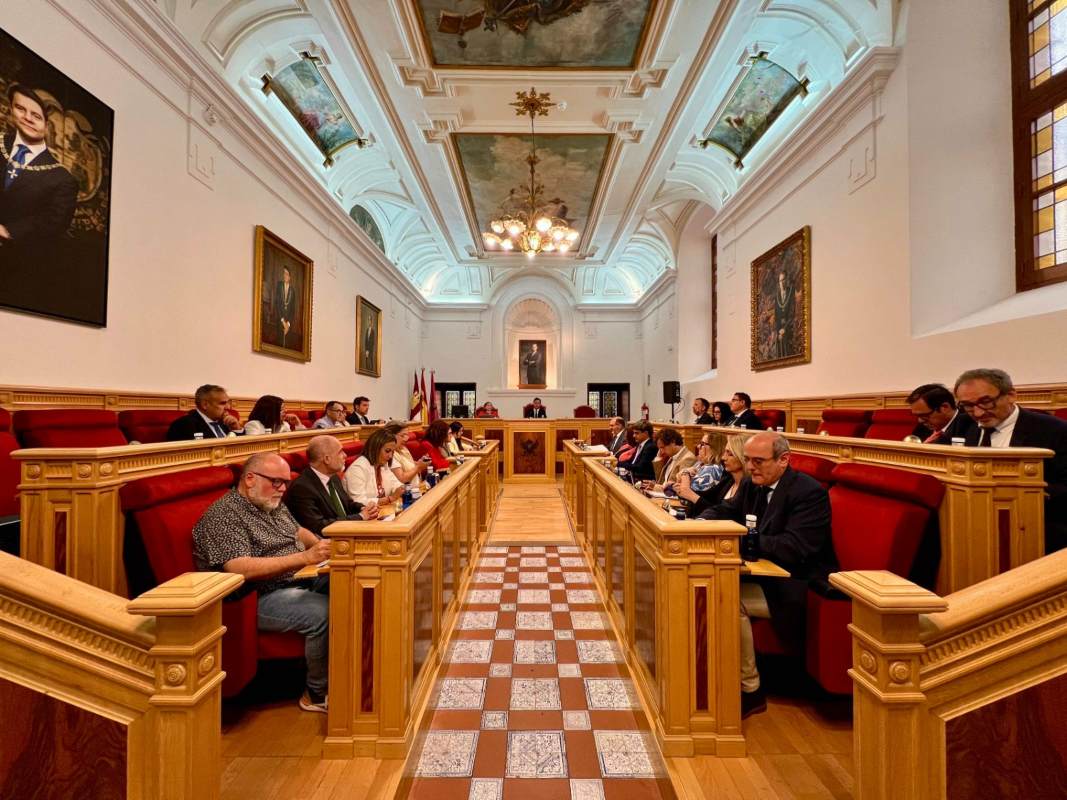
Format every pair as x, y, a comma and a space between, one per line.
55, 190
781, 304
368, 338
281, 298
531, 363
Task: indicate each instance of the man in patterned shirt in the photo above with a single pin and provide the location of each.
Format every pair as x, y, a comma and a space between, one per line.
249, 532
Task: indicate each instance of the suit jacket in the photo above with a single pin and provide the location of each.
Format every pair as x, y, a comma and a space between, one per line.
310, 503
619, 442
683, 459
535, 412
39, 204
747, 419
795, 527
357, 419
704, 419
959, 426
1036, 429
184, 427
641, 464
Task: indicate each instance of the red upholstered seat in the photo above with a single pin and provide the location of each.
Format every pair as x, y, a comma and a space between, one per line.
315, 413
879, 518
1061, 413
844, 421
5, 421
891, 423
164, 509
770, 417
304, 416
297, 460
9, 476
147, 426
581, 412
63, 427
818, 468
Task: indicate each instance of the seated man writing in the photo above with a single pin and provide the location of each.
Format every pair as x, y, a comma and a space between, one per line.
318, 498
793, 520
249, 532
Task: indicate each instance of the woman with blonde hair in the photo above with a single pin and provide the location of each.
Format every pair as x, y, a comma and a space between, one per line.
404, 465
735, 469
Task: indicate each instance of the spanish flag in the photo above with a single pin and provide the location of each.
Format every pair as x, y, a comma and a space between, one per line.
416, 400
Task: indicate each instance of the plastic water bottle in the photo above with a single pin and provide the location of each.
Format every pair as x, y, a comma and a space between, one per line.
416, 491
431, 479
407, 499
750, 541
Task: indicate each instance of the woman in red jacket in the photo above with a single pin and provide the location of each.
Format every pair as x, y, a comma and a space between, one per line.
437, 437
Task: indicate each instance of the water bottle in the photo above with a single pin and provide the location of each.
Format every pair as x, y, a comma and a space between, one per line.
431, 479
958, 441
416, 491
407, 499
750, 541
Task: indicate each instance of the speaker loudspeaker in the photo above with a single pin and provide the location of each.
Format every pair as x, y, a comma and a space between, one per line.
672, 392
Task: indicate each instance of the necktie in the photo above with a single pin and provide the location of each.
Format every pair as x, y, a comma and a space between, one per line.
761, 503
335, 498
15, 165
932, 438
987, 437
220, 432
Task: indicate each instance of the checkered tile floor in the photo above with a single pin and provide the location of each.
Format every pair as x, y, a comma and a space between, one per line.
535, 700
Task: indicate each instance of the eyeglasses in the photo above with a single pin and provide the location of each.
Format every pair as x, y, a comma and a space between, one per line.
984, 403
275, 483
758, 462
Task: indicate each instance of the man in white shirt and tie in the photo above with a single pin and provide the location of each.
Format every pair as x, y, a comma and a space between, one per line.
617, 426
211, 418
360, 409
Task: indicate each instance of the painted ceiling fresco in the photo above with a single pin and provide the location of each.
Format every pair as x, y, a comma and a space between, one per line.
560, 34
570, 167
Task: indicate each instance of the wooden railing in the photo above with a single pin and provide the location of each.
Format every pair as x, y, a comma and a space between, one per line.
543, 437
673, 591
395, 591
104, 697
72, 520
962, 696
992, 517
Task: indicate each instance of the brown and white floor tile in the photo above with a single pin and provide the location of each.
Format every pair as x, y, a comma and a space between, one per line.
543, 710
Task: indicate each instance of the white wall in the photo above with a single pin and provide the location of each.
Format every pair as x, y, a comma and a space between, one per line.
926, 242
180, 284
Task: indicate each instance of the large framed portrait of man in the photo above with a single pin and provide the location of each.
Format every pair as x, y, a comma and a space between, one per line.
368, 338
55, 190
281, 302
532, 364
781, 304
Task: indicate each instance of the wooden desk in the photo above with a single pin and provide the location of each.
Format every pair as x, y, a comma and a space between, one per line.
673, 591
532, 450
394, 599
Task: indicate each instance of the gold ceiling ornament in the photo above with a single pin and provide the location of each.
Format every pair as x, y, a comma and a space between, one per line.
526, 222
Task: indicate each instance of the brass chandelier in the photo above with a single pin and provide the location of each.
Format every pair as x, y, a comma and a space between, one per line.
525, 222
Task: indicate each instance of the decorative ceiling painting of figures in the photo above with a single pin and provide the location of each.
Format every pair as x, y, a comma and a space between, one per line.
556, 34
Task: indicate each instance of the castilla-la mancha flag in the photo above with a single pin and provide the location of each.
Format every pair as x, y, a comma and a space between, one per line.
424, 405
434, 413
416, 400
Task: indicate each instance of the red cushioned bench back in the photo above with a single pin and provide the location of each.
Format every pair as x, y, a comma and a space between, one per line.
5, 421
581, 412
147, 426
880, 515
844, 421
818, 468
891, 423
770, 417
1061, 413
297, 460
165, 509
9, 476
61, 427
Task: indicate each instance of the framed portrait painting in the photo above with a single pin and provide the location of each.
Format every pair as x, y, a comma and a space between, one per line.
281, 302
368, 338
781, 304
55, 190
532, 363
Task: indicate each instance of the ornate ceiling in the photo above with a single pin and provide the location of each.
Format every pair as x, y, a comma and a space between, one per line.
421, 92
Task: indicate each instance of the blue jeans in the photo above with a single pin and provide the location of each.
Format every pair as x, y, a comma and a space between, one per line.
304, 610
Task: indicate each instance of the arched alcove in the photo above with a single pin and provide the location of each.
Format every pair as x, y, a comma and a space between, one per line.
531, 319
530, 309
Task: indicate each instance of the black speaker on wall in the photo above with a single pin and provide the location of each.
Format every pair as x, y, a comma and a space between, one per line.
672, 392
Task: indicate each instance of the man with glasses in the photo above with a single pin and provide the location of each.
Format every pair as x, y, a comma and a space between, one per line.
333, 418
988, 396
792, 513
318, 498
744, 416
938, 421
249, 532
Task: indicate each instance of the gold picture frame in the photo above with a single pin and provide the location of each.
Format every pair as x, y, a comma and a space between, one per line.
368, 338
781, 304
281, 310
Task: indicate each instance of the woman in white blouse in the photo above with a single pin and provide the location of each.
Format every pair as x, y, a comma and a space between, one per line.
369, 479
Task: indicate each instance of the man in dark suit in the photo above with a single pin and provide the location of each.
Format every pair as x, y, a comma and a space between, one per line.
617, 426
640, 464
700, 408
208, 418
939, 421
536, 410
988, 395
793, 520
360, 409
744, 416
534, 364
37, 199
284, 307
318, 498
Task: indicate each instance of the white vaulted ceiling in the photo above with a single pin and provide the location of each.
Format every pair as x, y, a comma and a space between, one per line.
410, 178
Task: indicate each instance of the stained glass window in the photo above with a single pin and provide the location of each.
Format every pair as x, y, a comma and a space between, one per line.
1039, 48
594, 402
468, 400
451, 399
611, 404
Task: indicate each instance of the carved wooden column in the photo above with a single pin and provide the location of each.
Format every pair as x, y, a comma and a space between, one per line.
187, 700
890, 739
